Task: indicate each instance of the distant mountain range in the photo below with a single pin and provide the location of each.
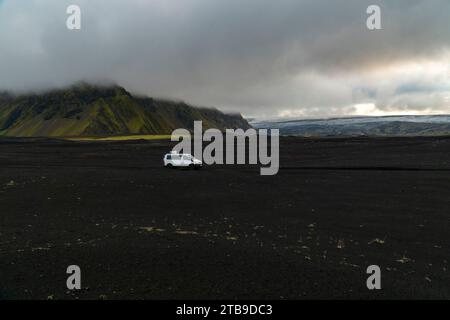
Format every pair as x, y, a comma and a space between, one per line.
87, 110
362, 126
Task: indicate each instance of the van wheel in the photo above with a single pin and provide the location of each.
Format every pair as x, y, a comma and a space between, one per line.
169, 166
191, 166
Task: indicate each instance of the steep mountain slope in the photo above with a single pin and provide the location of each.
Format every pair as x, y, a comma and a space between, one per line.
85, 110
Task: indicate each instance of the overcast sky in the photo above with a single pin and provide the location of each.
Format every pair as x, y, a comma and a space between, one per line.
264, 58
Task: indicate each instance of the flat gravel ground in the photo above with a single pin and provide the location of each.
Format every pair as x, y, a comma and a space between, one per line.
140, 231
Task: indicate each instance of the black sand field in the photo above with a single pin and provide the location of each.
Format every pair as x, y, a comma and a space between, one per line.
139, 231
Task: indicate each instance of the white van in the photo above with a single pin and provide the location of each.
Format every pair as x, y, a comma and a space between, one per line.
175, 160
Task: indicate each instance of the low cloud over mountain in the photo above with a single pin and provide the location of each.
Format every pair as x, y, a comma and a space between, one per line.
260, 57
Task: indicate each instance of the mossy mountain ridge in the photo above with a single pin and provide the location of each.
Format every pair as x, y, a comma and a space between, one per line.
87, 110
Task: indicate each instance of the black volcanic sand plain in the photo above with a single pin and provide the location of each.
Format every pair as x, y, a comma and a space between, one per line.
140, 231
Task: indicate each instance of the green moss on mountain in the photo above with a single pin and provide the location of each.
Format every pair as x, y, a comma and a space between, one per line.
86, 110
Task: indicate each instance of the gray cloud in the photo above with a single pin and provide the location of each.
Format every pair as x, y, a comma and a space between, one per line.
260, 57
